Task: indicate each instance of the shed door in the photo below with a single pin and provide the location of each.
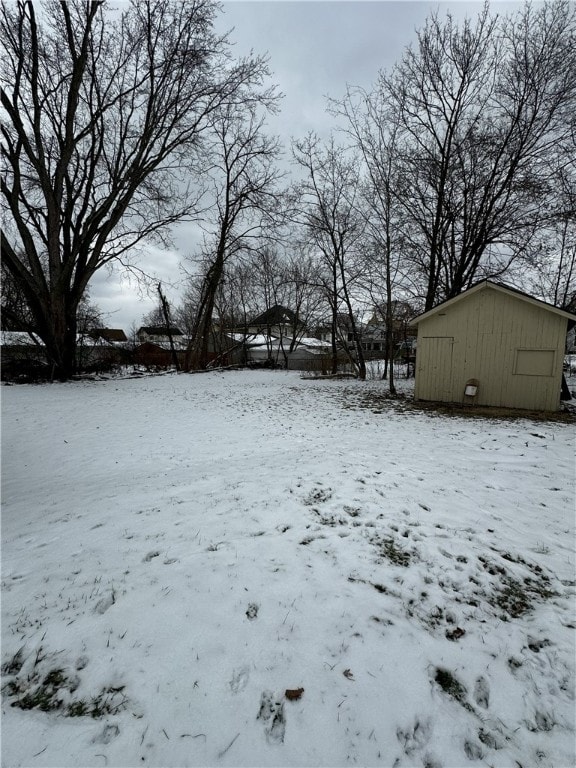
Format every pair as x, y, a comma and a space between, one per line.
434, 356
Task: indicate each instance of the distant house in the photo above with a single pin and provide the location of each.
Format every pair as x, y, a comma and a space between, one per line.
101, 349
23, 356
306, 354
155, 349
153, 355
159, 335
372, 335
374, 332
112, 335
343, 329
275, 321
492, 345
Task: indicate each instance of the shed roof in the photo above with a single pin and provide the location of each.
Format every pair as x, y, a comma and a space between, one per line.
491, 285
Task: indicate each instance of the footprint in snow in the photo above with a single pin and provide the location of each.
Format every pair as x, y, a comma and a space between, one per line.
283, 528
482, 692
240, 679
106, 602
414, 737
151, 555
473, 751
272, 713
430, 762
109, 733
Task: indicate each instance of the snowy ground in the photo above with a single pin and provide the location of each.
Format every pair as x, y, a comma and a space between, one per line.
251, 569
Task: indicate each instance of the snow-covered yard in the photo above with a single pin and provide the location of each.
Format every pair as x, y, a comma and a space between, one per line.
252, 569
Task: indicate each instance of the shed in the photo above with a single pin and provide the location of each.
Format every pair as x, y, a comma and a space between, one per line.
492, 345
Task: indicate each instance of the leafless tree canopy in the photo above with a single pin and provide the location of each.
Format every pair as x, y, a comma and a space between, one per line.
487, 115
327, 208
105, 114
243, 177
459, 163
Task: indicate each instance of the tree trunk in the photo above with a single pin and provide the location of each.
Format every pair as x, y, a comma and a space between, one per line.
197, 354
360, 361
168, 323
333, 337
389, 308
60, 340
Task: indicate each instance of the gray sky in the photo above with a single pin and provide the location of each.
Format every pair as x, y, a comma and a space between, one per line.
315, 50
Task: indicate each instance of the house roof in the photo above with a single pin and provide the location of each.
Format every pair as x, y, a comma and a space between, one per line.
484, 285
160, 330
110, 334
274, 316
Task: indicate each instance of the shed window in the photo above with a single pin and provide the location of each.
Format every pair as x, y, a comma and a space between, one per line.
534, 362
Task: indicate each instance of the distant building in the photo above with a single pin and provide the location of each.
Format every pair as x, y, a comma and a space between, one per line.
113, 335
159, 335
276, 321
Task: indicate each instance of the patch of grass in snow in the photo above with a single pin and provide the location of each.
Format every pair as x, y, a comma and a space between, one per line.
516, 595
388, 548
13, 665
317, 496
52, 691
459, 410
380, 401
516, 598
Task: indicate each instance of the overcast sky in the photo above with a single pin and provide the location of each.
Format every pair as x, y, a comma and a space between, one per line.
315, 50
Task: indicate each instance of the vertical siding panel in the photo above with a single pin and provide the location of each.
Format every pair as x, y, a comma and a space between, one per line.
521, 330
490, 372
497, 323
506, 325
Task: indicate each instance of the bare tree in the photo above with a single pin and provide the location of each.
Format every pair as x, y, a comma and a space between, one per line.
167, 322
288, 278
301, 275
104, 115
375, 131
243, 175
484, 108
551, 271
232, 306
327, 209
15, 314
435, 91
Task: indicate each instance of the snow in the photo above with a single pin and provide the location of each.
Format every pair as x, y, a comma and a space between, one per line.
178, 551
18, 338
310, 341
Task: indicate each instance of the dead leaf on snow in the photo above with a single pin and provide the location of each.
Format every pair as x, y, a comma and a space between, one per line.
293, 694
